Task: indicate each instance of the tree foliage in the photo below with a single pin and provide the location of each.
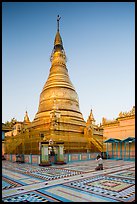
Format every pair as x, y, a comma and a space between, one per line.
11, 123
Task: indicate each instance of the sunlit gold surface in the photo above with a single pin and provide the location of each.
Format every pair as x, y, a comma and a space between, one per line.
58, 116
26, 118
94, 135
59, 94
58, 40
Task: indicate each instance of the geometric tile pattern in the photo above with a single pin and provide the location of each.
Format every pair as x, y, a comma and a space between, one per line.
126, 174
22, 179
51, 173
28, 197
68, 194
7, 184
89, 166
72, 182
109, 184
46, 173
111, 187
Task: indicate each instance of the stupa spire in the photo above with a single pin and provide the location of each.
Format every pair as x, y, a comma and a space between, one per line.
26, 118
59, 100
91, 117
58, 41
58, 19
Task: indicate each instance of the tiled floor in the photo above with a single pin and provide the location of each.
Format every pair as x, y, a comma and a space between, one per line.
72, 182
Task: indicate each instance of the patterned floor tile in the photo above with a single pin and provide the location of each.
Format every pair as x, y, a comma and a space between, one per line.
29, 197
125, 174
76, 181
8, 184
110, 187
67, 194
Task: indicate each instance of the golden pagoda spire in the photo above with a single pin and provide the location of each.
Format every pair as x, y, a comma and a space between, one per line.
91, 118
58, 45
58, 41
59, 98
26, 118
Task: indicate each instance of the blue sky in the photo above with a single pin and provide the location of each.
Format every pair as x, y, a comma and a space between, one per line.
99, 41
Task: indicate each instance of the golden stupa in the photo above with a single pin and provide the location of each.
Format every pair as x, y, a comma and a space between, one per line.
59, 117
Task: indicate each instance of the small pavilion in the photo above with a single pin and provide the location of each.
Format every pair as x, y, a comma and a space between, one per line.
121, 149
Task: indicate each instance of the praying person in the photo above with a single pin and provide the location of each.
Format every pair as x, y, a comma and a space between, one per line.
99, 163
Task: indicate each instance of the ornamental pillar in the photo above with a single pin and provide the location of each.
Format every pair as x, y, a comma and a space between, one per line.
60, 153
44, 154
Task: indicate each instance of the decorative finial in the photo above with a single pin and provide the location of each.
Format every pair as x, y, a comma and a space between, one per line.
58, 19
26, 118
